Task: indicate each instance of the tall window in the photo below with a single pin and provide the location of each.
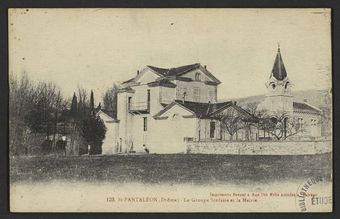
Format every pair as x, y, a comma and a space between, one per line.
148, 99
145, 124
129, 103
197, 76
212, 129
196, 94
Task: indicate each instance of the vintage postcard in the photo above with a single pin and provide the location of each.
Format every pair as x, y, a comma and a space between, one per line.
170, 110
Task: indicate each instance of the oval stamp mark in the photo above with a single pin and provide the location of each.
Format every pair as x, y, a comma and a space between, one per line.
314, 195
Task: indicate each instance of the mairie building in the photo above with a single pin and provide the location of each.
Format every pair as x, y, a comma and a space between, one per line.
279, 100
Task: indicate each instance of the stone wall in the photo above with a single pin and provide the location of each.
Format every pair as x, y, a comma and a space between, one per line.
259, 148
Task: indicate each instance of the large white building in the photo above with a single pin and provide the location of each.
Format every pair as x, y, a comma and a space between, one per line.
160, 109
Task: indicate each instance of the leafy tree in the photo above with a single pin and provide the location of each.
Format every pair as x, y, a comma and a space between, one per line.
93, 131
86, 125
36, 119
33, 108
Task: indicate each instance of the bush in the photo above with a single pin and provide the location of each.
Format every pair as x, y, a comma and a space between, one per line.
93, 130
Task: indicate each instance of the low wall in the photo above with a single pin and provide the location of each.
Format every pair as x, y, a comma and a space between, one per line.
260, 148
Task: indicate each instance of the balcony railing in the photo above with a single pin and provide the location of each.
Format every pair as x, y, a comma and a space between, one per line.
139, 107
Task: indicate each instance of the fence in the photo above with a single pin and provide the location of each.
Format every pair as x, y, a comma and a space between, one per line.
259, 147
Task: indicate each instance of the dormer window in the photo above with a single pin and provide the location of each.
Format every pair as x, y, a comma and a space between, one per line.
197, 76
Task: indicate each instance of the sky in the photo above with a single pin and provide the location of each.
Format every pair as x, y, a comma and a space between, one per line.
93, 48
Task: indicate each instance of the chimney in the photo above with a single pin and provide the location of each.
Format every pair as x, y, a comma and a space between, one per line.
205, 66
137, 72
305, 100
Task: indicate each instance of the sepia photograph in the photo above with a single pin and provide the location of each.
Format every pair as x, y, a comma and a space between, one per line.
170, 110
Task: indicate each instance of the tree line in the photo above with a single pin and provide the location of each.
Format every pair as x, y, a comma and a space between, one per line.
39, 110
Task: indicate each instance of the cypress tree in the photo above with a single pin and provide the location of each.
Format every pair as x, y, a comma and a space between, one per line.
74, 108
91, 102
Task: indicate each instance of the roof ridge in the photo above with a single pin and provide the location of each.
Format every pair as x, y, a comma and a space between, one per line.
103, 111
173, 67
157, 67
308, 104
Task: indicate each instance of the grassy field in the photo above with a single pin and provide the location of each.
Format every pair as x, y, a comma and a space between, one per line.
173, 168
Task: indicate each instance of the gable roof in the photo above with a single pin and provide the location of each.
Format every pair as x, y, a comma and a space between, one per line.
305, 107
174, 71
169, 106
162, 71
279, 71
203, 110
110, 113
178, 71
128, 81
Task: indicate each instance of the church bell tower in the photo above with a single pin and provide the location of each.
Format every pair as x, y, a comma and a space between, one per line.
279, 97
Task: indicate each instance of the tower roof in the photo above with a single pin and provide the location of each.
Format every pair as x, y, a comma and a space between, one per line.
279, 70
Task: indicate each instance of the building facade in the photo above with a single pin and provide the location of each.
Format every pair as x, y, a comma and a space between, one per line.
160, 109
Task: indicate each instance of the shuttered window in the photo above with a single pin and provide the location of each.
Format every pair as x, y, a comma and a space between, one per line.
212, 129
145, 124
